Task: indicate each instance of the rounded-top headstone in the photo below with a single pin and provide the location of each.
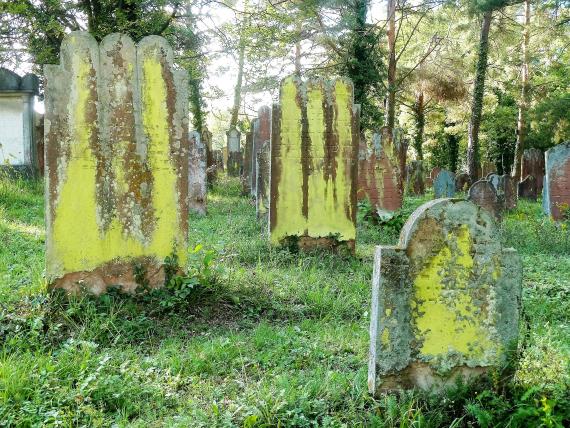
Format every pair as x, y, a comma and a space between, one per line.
483, 194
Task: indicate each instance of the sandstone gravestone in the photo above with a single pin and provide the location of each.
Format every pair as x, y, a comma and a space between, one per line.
246, 179
462, 182
506, 190
556, 194
527, 188
262, 180
444, 184
415, 178
314, 148
234, 163
261, 134
378, 174
532, 163
197, 174
445, 300
116, 132
482, 193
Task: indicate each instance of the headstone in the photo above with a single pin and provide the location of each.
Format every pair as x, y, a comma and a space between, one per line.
482, 193
527, 188
235, 159
211, 168
415, 178
444, 184
532, 163
246, 179
262, 180
556, 194
462, 182
314, 149
261, 134
378, 174
506, 190
18, 139
445, 301
116, 132
197, 174
219, 159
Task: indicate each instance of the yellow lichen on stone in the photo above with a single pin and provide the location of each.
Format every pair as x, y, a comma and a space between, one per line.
447, 319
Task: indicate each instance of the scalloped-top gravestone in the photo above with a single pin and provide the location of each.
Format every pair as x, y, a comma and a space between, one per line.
556, 194
197, 174
445, 301
314, 149
116, 136
444, 184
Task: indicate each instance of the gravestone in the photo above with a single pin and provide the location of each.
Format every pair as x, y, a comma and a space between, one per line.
18, 139
556, 194
444, 184
261, 134
482, 193
197, 174
462, 182
532, 163
445, 301
234, 162
246, 179
211, 168
314, 149
506, 190
415, 178
262, 180
116, 136
527, 188
219, 159
378, 174
401, 148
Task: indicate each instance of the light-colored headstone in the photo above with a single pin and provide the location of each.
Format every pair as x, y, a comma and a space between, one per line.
556, 194
314, 149
116, 135
445, 300
197, 186
444, 184
246, 178
235, 157
262, 180
506, 190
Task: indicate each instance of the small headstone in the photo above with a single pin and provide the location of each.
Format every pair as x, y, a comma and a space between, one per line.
483, 194
444, 184
415, 178
445, 301
532, 163
261, 134
556, 194
262, 180
462, 182
378, 174
314, 149
197, 174
527, 188
235, 157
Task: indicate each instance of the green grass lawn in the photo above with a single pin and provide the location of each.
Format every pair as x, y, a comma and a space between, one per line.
263, 337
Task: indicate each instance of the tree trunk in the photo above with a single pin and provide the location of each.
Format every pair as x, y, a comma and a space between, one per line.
420, 117
524, 101
237, 90
298, 50
391, 99
477, 104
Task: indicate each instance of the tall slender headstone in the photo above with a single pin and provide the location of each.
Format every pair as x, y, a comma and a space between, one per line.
445, 301
116, 132
197, 174
262, 180
246, 179
261, 134
314, 149
556, 194
235, 158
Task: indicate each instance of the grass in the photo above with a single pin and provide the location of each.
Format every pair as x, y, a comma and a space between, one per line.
270, 338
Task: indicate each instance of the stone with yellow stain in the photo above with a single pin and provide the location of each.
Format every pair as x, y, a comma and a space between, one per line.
116, 190
445, 301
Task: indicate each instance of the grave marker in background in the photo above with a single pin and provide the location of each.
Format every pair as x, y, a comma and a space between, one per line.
261, 134
556, 195
462, 182
527, 188
444, 184
482, 193
235, 159
415, 178
246, 178
262, 180
197, 174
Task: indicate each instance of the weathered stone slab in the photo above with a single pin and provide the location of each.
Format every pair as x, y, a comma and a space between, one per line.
262, 180
235, 156
211, 167
527, 188
246, 178
415, 178
506, 190
116, 136
462, 182
483, 194
314, 148
444, 184
556, 194
378, 174
261, 134
197, 187
532, 163
445, 301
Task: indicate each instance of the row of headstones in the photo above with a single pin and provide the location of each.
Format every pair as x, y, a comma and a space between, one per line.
447, 299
